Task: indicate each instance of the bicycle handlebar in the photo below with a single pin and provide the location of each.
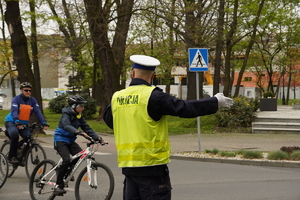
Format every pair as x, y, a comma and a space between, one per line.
30, 126
94, 141
33, 126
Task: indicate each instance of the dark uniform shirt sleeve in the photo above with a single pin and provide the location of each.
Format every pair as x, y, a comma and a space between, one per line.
161, 103
107, 116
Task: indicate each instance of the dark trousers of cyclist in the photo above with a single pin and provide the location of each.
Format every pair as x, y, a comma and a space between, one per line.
14, 132
152, 187
64, 150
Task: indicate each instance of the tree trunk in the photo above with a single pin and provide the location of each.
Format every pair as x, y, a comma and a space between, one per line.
219, 47
191, 85
229, 46
7, 57
110, 57
189, 37
18, 42
249, 47
35, 61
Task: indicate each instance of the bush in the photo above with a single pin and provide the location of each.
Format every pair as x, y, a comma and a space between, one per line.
240, 114
278, 155
252, 155
57, 104
214, 151
295, 155
90, 108
240, 152
227, 154
289, 149
269, 94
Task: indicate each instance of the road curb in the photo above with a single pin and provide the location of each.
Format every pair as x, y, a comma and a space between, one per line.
240, 162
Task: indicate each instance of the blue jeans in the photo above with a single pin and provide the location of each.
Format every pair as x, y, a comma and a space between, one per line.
14, 132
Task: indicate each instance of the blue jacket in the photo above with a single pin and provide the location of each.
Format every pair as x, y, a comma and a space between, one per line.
69, 124
13, 116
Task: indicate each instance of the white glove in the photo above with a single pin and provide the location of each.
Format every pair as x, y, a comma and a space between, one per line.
223, 101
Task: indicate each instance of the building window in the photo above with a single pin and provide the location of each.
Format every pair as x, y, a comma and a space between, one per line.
248, 79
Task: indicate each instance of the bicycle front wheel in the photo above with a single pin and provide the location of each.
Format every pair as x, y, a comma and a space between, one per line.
34, 156
102, 183
40, 187
3, 169
5, 150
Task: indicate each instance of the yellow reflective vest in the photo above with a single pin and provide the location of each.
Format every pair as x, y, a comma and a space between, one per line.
140, 140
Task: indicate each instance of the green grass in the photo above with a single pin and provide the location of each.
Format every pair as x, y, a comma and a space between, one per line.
214, 151
177, 125
53, 119
252, 154
227, 154
278, 155
291, 101
295, 155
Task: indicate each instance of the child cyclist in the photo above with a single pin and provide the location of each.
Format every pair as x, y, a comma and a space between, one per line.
65, 136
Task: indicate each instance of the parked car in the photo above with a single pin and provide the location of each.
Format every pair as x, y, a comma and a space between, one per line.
2, 94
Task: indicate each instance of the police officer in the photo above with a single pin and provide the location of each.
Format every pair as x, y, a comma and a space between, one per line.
138, 116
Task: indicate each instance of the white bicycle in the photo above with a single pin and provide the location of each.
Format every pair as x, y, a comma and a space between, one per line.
95, 181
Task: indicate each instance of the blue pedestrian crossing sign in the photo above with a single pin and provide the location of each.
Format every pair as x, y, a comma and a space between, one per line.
198, 59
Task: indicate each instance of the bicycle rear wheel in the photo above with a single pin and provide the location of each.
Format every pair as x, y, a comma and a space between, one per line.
5, 150
34, 156
3, 169
100, 174
41, 189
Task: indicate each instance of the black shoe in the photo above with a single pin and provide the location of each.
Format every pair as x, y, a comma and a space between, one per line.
59, 191
13, 160
72, 178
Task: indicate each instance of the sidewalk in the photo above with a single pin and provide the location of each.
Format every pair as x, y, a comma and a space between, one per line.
234, 141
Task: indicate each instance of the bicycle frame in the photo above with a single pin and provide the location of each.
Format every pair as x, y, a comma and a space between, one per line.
31, 141
84, 154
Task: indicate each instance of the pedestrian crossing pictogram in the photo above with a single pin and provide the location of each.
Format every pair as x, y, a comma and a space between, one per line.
198, 59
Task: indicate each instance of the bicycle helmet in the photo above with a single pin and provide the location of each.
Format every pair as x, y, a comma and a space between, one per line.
24, 85
75, 100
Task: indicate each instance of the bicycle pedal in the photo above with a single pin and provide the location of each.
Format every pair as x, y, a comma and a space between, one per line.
15, 166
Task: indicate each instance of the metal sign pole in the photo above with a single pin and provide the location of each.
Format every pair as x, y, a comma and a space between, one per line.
198, 62
198, 118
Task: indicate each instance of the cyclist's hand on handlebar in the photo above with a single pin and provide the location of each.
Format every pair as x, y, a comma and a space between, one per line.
45, 126
84, 134
19, 125
102, 142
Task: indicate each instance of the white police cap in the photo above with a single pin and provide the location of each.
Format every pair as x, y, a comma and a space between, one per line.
144, 62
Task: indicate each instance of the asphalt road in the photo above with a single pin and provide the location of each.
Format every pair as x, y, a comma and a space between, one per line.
191, 180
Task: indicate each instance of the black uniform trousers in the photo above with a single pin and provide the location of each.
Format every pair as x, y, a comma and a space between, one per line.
147, 183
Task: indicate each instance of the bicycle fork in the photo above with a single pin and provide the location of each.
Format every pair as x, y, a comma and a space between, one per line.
34, 155
92, 174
